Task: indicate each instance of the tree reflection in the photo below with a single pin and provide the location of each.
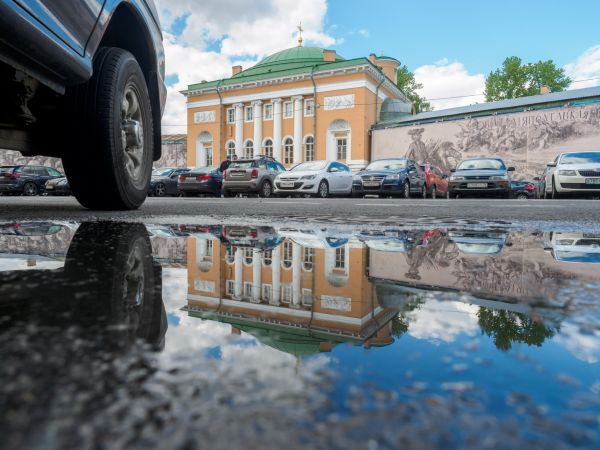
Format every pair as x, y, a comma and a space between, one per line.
508, 327
401, 321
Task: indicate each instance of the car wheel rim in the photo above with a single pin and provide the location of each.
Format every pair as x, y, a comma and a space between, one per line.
160, 190
132, 134
323, 190
29, 189
267, 190
406, 190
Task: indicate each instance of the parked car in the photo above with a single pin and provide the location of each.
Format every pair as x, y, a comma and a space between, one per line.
317, 178
573, 247
251, 176
164, 181
264, 238
394, 176
26, 180
573, 173
523, 190
58, 186
478, 242
84, 81
435, 180
200, 181
480, 176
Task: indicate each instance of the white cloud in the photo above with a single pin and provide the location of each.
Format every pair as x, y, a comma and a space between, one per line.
586, 66
443, 320
445, 79
220, 33
364, 33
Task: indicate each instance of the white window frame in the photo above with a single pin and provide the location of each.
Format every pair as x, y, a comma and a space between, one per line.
230, 115
306, 295
264, 147
247, 256
289, 160
246, 147
310, 136
287, 255
340, 258
249, 112
285, 110
248, 290
230, 288
307, 102
286, 293
270, 107
267, 292
230, 146
337, 148
308, 257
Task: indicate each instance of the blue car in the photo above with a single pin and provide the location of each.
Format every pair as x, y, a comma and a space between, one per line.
401, 177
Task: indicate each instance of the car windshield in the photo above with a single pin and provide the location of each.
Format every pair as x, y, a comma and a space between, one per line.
312, 165
387, 164
161, 172
481, 164
242, 164
581, 158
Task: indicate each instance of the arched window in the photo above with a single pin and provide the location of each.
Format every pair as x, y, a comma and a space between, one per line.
286, 260
268, 148
230, 149
248, 256
308, 258
204, 149
339, 141
309, 148
249, 149
268, 257
288, 151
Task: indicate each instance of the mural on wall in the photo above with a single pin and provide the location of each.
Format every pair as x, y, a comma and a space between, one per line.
525, 140
14, 158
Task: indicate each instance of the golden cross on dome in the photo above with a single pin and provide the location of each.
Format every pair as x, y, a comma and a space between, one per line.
300, 30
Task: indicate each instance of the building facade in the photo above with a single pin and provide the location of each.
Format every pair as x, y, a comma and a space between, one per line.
300, 104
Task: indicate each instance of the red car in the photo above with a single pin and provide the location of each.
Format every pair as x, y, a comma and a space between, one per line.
436, 181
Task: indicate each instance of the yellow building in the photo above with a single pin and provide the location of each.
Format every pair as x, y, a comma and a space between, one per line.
300, 104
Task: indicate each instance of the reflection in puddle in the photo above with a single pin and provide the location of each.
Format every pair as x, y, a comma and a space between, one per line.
134, 335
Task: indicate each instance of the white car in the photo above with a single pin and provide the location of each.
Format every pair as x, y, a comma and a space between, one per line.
573, 247
318, 178
576, 172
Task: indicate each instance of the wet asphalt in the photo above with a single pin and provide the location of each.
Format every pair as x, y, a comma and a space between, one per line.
568, 213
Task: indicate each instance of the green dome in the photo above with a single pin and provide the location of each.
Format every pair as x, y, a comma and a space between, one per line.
291, 58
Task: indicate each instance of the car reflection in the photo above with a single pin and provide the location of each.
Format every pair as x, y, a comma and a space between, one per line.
247, 236
478, 242
109, 282
573, 247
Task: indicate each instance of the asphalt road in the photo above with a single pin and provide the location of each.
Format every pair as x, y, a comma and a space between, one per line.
571, 213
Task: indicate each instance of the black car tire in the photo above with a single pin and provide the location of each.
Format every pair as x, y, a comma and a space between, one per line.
323, 190
424, 191
434, 192
555, 193
406, 191
160, 190
98, 170
266, 189
30, 189
522, 197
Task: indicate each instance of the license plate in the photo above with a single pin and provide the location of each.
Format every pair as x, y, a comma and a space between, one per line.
477, 185
238, 174
49, 188
289, 184
592, 181
371, 183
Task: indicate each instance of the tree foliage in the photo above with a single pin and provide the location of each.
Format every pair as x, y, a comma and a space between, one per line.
405, 80
515, 79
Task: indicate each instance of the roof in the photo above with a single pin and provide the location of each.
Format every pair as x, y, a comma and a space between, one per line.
502, 106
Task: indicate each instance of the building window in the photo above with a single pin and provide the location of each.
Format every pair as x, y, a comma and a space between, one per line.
309, 108
249, 149
288, 110
340, 258
288, 151
247, 290
308, 259
229, 288
268, 111
230, 115
268, 148
248, 257
268, 257
230, 255
342, 148
309, 149
286, 260
248, 113
267, 292
209, 156
307, 297
286, 293
230, 149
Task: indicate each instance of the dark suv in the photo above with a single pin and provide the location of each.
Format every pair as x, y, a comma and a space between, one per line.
394, 176
83, 80
26, 180
480, 176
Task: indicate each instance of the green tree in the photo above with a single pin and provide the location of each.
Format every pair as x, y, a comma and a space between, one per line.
515, 79
405, 80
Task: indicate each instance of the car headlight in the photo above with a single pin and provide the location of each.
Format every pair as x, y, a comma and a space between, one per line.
308, 177
455, 178
499, 178
568, 173
393, 176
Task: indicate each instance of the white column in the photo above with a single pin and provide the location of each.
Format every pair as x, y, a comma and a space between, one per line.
256, 269
277, 118
276, 275
257, 126
239, 129
237, 285
298, 115
296, 274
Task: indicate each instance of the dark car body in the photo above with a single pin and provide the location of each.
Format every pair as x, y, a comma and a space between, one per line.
523, 190
389, 177
164, 181
58, 186
480, 176
205, 180
436, 181
27, 180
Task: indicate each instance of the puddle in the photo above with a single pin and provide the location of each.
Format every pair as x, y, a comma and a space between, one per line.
128, 335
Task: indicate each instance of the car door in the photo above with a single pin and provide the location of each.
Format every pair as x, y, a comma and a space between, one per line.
415, 180
346, 178
70, 21
335, 176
